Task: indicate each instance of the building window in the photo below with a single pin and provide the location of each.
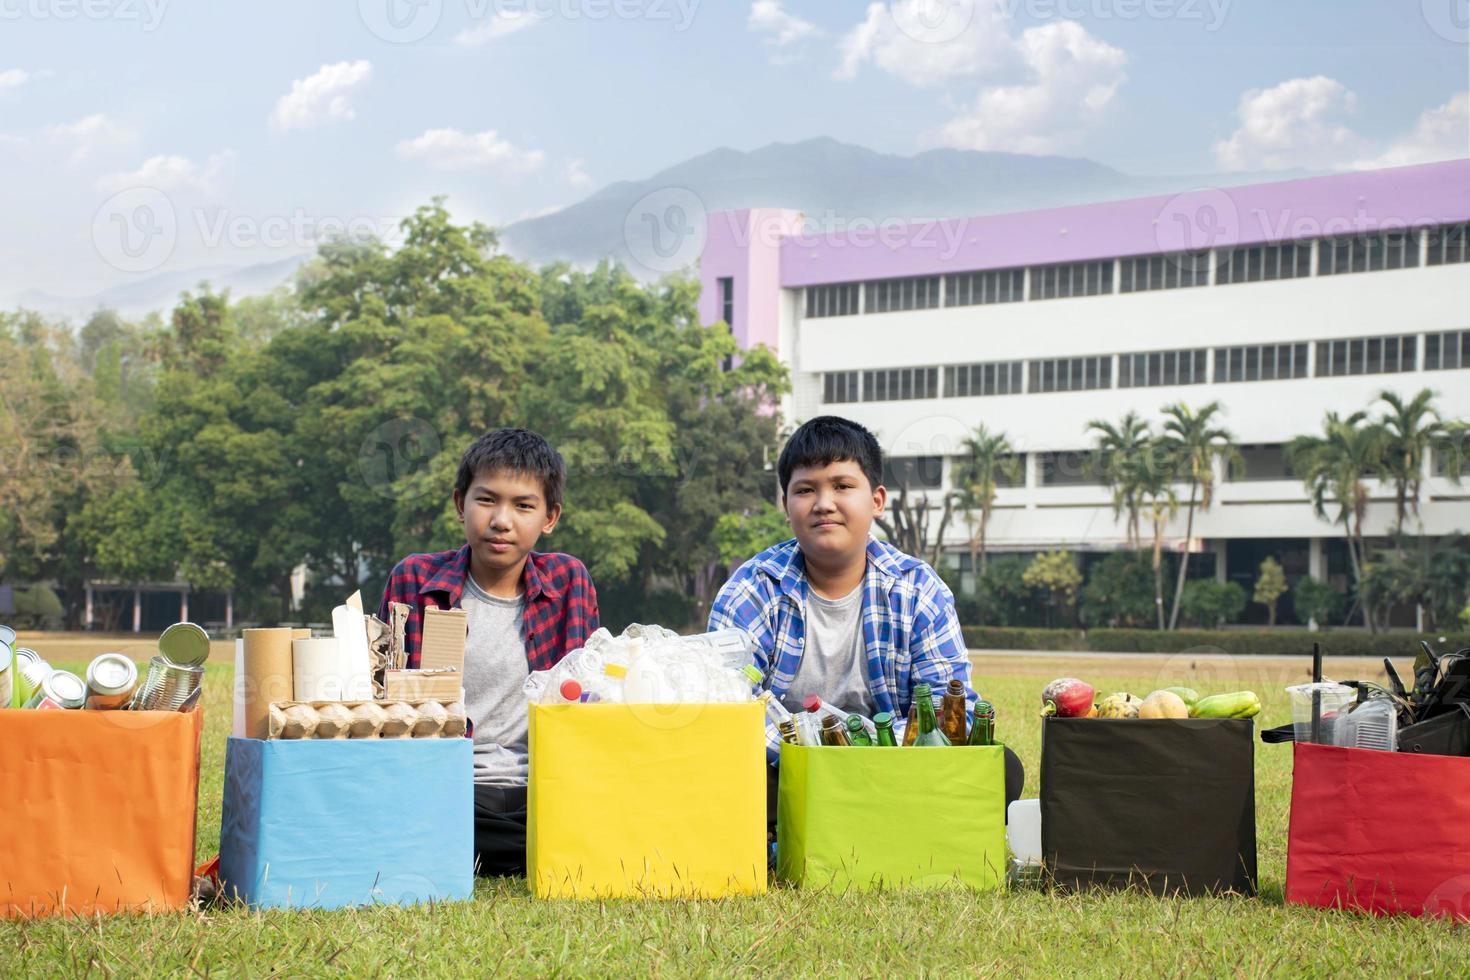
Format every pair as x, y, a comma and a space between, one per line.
1262, 462
1368, 253
1268, 362
1446, 351
836, 300
1071, 374
1367, 355
970, 380
727, 300
895, 295
840, 386
1072, 279
1162, 367
1003, 463
1264, 263
913, 472
900, 384
1177, 270
980, 288
1074, 468
1449, 244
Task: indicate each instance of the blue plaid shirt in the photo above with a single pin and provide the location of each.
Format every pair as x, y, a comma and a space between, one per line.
910, 630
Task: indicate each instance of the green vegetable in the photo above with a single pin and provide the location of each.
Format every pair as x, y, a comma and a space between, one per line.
1239, 704
1186, 694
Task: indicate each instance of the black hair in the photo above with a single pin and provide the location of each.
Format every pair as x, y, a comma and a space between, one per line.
830, 439
519, 451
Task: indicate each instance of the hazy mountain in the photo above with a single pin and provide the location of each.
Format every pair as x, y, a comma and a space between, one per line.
831, 181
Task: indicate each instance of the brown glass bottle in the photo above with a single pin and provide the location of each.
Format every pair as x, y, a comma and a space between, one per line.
952, 712
834, 732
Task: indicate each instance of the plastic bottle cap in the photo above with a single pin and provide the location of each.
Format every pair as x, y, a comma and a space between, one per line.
753, 672
812, 703
571, 690
615, 670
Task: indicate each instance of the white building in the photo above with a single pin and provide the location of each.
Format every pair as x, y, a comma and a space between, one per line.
1281, 301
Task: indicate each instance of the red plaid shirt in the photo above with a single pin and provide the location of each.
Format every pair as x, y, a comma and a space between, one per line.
561, 604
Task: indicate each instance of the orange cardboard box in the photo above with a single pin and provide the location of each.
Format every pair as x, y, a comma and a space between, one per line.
97, 810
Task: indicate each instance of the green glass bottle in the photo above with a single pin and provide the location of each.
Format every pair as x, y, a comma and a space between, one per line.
982, 732
856, 733
833, 732
884, 722
952, 712
929, 734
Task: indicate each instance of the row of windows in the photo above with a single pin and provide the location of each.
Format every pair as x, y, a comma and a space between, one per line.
1151, 369
1446, 244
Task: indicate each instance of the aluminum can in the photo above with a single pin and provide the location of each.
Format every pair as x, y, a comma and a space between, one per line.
111, 678
167, 685
30, 670
60, 690
7, 686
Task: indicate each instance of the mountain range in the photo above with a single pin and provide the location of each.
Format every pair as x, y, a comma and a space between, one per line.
829, 181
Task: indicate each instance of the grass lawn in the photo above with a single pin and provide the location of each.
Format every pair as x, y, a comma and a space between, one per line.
792, 932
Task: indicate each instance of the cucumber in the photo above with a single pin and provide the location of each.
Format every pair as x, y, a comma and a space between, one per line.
1239, 704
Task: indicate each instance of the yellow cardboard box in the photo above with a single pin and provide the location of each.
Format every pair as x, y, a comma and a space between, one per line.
646, 800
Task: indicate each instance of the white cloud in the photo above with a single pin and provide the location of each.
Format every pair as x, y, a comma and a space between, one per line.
576, 176
91, 134
502, 24
1073, 79
1442, 133
1295, 124
908, 41
783, 30
13, 78
173, 173
321, 97
454, 149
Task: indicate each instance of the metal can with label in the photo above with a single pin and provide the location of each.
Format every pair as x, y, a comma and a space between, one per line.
111, 678
7, 686
60, 690
30, 670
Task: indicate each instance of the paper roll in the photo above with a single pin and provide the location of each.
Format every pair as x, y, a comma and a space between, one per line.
237, 722
351, 634
267, 656
318, 670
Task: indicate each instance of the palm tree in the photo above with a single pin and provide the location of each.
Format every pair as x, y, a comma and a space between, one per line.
1411, 429
1118, 449
986, 456
1195, 446
1333, 467
1152, 477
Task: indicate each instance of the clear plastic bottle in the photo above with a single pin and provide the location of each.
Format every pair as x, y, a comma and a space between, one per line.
1371, 725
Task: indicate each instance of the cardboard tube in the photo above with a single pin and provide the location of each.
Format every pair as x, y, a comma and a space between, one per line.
267, 676
317, 669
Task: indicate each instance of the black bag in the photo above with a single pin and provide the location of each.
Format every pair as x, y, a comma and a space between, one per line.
1168, 805
1446, 734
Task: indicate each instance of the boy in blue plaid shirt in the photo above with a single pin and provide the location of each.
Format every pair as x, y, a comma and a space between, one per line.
834, 611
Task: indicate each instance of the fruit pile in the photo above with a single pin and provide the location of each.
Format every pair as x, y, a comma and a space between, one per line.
1068, 697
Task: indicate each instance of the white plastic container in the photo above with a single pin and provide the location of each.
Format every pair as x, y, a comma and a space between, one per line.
1371, 725
1334, 700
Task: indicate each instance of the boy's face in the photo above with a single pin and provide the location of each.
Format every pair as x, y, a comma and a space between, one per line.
504, 513
831, 509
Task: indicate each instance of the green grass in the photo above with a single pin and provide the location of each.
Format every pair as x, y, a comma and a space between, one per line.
788, 931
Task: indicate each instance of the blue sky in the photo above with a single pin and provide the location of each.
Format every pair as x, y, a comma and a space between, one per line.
258, 120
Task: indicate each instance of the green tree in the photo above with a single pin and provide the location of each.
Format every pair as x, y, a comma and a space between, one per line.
1411, 429
1119, 591
1334, 466
739, 536
985, 457
1119, 450
1195, 444
1152, 478
1317, 602
1270, 587
1055, 574
1210, 604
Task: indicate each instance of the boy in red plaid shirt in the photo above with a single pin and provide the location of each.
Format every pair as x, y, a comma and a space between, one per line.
526, 610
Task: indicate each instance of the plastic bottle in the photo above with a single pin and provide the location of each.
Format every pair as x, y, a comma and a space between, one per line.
822, 708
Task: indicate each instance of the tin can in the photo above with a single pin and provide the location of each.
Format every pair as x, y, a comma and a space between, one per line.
30, 670
60, 690
167, 685
111, 678
7, 686
185, 644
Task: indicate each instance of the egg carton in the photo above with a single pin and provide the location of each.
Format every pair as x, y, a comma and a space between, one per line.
366, 719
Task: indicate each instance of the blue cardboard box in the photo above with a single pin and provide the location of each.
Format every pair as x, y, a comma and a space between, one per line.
333, 823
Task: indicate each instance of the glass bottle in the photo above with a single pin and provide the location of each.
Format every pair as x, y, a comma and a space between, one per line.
911, 730
952, 711
833, 732
856, 733
982, 732
884, 721
928, 724
788, 731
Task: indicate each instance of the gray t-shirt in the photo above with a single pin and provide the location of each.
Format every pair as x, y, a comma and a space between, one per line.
495, 672
834, 662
